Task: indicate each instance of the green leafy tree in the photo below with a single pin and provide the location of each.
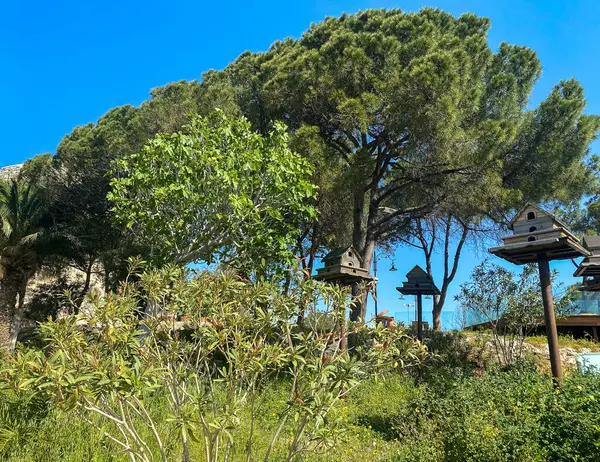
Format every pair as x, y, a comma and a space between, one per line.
73, 185
215, 192
20, 216
510, 304
418, 109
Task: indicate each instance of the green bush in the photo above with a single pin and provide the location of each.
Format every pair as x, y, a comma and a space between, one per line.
501, 415
117, 373
454, 350
510, 414
571, 421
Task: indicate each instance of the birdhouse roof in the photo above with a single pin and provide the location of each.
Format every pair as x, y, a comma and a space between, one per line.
591, 242
335, 253
521, 212
418, 273
418, 281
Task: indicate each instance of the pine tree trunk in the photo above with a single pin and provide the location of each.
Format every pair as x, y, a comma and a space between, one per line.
86, 286
9, 290
437, 317
359, 307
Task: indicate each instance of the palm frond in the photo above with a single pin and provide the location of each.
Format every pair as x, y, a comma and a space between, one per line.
29, 239
20, 215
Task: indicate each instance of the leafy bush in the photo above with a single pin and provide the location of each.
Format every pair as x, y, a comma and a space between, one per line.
506, 414
454, 350
571, 421
212, 366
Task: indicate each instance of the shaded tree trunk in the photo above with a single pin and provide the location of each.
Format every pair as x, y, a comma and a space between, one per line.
9, 291
86, 285
17, 319
359, 306
437, 314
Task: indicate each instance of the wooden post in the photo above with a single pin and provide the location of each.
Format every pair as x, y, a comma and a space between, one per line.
420, 317
555, 364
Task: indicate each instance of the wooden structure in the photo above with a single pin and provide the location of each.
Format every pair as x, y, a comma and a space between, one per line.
589, 269
590, 266
415, 325
418, 283
343, 266
540, 237
537, 232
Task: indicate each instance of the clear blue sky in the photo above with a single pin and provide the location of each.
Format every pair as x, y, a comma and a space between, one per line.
65, 63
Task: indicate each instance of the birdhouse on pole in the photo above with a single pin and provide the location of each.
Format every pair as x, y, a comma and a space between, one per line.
343, 266
589, 268
537, 232
540, 237
418, 283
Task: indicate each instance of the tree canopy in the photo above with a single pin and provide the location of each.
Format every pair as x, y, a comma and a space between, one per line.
215, 191
420, 112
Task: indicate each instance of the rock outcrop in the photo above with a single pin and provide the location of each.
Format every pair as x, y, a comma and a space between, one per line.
10, 172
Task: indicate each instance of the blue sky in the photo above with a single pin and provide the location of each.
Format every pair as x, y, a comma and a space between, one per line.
66, 63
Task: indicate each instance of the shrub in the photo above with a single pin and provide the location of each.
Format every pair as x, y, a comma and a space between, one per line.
489, 418
571, 421
212, 367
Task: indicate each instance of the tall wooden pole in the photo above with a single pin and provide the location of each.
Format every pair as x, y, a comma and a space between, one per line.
375, 288
544, 269
420, 317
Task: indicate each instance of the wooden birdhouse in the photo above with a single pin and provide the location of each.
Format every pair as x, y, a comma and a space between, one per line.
540, 237
590, 266
343, 265
590, 284
538, 233
418, 283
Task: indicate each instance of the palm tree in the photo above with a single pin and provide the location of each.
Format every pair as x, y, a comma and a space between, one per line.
20, 216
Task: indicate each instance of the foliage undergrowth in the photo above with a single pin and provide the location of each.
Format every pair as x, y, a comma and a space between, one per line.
512, 414
179, 366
